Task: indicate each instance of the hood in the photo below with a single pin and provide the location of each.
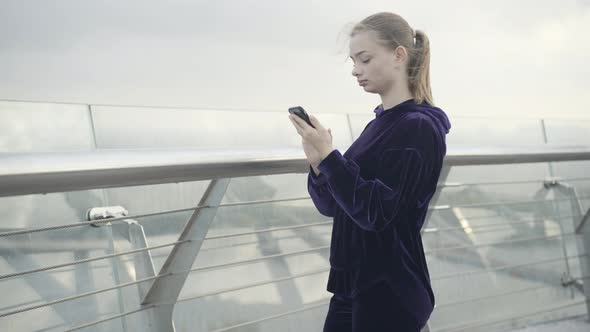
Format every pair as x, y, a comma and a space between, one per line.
437, 115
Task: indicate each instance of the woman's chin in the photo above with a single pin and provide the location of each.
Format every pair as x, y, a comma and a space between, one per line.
367, 88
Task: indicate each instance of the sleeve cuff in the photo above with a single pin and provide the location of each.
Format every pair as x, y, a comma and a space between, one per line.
332, 164
316, 180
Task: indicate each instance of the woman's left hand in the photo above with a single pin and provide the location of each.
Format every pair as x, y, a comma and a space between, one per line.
319, 137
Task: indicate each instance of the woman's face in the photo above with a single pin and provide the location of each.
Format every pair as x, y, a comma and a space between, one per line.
376, 68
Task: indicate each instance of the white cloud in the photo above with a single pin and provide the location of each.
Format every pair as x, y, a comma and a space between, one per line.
489, 57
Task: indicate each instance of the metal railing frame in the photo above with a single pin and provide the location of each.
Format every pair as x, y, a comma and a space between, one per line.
46, 172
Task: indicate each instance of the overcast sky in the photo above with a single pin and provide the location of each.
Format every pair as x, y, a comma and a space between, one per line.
503, 58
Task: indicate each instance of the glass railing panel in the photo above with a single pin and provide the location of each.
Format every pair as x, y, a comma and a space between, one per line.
37, 127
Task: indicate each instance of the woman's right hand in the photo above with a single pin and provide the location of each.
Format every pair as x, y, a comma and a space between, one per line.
313, 155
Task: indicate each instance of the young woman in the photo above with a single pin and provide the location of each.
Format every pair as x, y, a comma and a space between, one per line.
378, 191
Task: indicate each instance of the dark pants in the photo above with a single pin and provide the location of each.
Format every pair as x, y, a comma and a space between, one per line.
375, 309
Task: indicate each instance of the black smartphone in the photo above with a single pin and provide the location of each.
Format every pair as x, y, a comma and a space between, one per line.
300, 112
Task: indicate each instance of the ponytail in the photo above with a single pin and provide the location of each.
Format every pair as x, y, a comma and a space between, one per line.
419, 70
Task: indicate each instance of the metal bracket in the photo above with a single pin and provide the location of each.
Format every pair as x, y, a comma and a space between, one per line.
567, 281
106, 212
550, 182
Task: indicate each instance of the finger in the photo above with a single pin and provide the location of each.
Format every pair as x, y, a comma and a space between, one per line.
304, 128
302, 124
296, 124
295, 120
315, 122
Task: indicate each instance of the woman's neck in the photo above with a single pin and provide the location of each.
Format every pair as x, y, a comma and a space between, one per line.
395, 96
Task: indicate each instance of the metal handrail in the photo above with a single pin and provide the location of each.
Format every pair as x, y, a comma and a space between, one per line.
78, 296
256, 284
487, 227
48, 172
87, 260
300, 275
123, 314
504, 267
483, 245
487, 297
503, 319
426, 252
282, 314
151, 214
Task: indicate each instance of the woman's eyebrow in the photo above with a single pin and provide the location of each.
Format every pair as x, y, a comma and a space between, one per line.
359, 53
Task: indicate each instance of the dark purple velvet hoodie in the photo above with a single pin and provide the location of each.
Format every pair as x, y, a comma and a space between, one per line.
378, 193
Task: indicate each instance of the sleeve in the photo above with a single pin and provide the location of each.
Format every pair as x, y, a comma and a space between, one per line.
317, 187
404, 167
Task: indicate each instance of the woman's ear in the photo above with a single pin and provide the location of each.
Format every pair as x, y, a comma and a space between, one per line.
401, 54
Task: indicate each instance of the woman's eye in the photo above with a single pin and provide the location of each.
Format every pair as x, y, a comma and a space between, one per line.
367, 61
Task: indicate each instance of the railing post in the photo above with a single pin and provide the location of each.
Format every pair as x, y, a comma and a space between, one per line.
542, 194
444, 173
442, 179
582, 234
143, 265
164, 292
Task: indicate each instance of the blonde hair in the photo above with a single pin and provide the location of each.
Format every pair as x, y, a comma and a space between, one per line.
393, 31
